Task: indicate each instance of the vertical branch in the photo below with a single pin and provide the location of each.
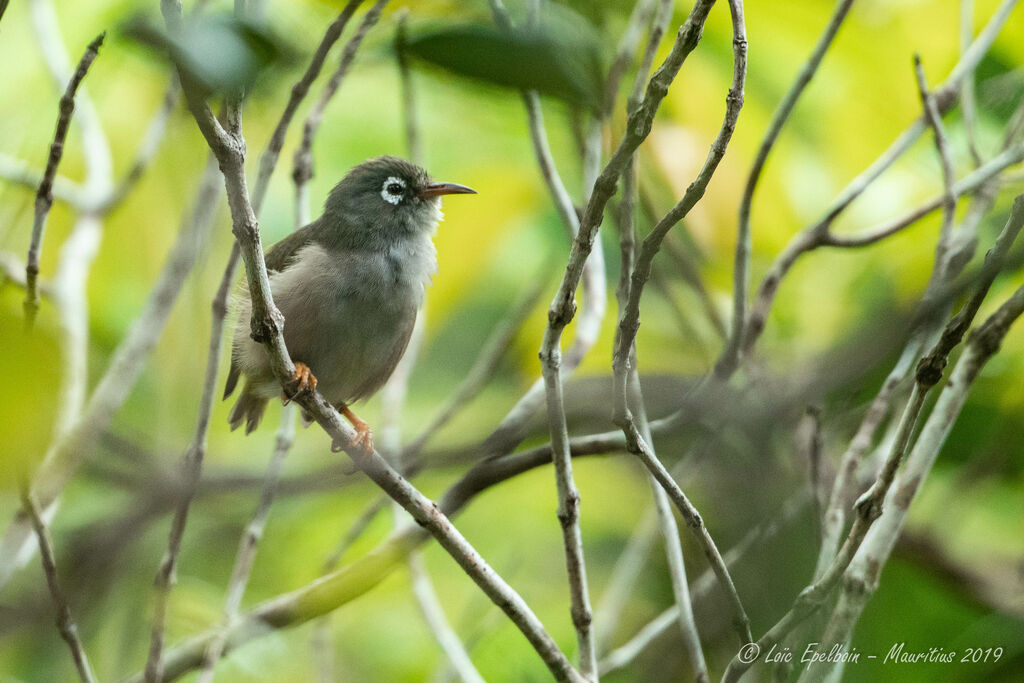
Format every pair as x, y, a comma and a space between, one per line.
44, 196
191, 470
65, 623
393, 397
625, 52
949, 196
302, 169
269, 157
673, 547
97, 156
741, 268
568, 496
629, 322
563, 308
568, 510
250, 540
627, 247
809, 447
968, 100
413, 139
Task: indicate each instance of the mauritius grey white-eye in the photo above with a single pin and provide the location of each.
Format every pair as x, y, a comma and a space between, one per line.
350, 285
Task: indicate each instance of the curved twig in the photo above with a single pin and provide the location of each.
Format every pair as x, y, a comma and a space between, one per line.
44, 196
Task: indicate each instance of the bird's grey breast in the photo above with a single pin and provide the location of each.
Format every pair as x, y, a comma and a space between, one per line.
349, 313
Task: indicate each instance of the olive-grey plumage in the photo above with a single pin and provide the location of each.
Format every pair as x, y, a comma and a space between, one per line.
349, 284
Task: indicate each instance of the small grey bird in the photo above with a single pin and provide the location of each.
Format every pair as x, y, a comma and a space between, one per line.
350, 285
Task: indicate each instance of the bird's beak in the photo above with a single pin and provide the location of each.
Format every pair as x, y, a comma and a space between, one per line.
438, 189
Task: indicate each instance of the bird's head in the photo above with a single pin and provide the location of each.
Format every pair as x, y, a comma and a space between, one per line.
387, 198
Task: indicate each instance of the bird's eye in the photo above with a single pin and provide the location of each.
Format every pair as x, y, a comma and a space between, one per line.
393, 190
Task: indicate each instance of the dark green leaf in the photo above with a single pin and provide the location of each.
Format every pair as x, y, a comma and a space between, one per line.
221, 54
556, 59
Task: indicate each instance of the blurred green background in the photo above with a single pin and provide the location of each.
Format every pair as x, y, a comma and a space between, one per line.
112, 527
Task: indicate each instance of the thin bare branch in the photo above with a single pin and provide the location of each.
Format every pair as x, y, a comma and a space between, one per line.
968, 98
868, 507
629, 323
249, 542
623, 655
191, 470
44, 196
627, 246
819, 233
413, 139
809, 448
673, 547
65, 623
862, 576
302, 168
741, 269
99, 163
625, 51
949, 195
268, 160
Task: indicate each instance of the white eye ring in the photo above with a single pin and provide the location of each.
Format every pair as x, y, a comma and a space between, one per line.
386, 192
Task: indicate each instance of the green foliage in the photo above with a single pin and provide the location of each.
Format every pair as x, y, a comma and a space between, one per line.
563, 59
220, 53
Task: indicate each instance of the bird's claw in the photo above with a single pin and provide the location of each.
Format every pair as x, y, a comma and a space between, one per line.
361, 446
303, 381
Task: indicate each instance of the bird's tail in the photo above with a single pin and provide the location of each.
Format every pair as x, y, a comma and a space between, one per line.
249, 409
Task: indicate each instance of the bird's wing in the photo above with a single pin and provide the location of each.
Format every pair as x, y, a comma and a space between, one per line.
233, 374
277, 258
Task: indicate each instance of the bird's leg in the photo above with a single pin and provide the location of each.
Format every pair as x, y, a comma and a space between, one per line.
364, 438
302, 381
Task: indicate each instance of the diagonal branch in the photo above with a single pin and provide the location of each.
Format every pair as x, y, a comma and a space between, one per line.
65, 622
870, 505
44, 196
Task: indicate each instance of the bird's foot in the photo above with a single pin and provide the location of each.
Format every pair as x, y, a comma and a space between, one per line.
303, 381
362, 444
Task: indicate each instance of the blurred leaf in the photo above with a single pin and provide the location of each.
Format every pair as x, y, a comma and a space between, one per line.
1000, 86
222, 54
30, 363
561, 57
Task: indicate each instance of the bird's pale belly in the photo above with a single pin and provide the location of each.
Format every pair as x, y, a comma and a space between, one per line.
357, 344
